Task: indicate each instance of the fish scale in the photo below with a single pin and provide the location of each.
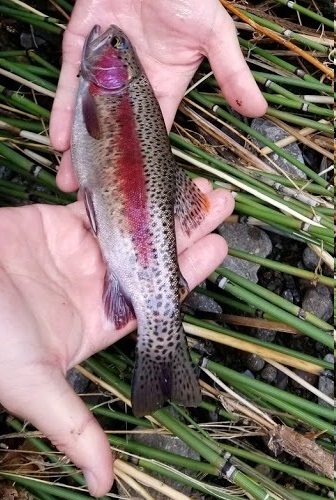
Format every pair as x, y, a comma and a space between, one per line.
125, 168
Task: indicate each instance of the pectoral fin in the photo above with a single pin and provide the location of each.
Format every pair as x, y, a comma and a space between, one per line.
191, 205
118, 308
90, 115
90, 210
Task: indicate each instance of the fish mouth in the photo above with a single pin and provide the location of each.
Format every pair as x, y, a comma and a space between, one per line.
95, 40
93, 43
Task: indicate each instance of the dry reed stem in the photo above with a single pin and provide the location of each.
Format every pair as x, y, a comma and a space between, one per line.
285, 438
301, 381
130, 481
299, 136
226, 140
149, 481
109, 388
244, 406
323, 255
246, 346
27, 83
245, 139
296, 135
232, 319
34, 11
279, 39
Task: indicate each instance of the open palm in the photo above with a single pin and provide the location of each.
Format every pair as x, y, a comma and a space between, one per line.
171, 37
51, 317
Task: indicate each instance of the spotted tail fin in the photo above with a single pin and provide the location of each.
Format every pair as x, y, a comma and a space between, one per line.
172, 378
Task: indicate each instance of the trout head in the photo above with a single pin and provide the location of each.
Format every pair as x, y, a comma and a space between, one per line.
109, 61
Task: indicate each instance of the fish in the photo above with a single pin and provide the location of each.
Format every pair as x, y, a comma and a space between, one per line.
132, 189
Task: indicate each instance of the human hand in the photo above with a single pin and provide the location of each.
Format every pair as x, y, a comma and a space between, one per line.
52, 317
171, 38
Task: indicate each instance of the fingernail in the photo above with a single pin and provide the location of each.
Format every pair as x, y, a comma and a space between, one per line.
91, 482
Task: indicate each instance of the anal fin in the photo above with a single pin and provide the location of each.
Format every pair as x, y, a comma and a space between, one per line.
118, 308
191, 205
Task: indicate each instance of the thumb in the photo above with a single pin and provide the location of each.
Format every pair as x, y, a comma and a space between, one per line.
52, 406
231, 70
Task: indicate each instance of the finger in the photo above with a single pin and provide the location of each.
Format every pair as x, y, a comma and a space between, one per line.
198, 261
221, 206
66, 178
52, 406
231, 70
65, 99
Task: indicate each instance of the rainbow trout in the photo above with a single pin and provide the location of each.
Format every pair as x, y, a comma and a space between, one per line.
132, 188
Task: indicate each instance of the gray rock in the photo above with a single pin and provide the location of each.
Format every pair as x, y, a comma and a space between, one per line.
330, 358
171, 444
77, 381
5, 173
250, 239
317, 300
248, 373
288, 295
269, 373
310, 259
27, 41
311, 378
326, 385
254, 362
198, 302
266, 335
275, 133
281, 380
264, 470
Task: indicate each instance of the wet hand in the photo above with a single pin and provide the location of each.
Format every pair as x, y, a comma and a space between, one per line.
171, 38
51, 318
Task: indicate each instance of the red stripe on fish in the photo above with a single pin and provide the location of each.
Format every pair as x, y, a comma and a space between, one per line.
130, 168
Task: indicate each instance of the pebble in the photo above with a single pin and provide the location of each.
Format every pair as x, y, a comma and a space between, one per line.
254, 362
248, 373
264, 470
311, 378
266, 335
198, 302
171, 444
77, 381
250, 239
27, 41
5, 173
288, 295
269, 373
329, 358
326, 385
275, 133
310, 259
281, 380
317, 300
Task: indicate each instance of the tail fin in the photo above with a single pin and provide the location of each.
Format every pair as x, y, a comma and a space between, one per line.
155, 382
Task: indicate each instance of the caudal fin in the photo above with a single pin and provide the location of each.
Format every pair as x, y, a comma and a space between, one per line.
155, 382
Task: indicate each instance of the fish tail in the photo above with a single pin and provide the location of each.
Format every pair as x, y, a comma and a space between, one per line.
171, 378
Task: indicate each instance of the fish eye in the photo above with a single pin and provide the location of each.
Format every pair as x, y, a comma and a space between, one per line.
119, 43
